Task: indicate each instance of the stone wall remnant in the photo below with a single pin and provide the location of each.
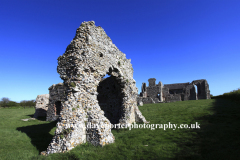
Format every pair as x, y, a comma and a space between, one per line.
203, 89
144, 90
85, 97
57, 94
41, 107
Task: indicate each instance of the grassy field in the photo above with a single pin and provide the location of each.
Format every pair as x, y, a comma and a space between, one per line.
217, 138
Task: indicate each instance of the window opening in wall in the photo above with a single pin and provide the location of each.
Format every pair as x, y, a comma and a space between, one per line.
58, 107
171, 92
196, 89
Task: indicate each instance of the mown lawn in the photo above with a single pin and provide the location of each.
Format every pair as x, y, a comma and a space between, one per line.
217, 138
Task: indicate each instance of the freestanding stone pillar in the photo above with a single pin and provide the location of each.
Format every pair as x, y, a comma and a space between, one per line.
160, 86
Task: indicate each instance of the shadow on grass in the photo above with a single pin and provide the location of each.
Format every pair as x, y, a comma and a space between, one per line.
218, 136
39, 134
40, 118
31, 115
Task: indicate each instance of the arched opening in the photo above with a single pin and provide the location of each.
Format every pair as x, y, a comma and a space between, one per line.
196, 89
58, 107
110, 98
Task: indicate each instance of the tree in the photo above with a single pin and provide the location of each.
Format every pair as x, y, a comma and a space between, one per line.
5, 101
23, 103
28, 103
12, 104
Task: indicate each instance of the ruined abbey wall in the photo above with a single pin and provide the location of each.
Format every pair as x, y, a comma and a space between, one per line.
57, 94
156, 93
41, 107
84, 98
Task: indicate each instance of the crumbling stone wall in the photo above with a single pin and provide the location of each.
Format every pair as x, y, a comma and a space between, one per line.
57, 96
190, 93
173, 92
153, 90
165, 92
173, 98
144, 90
88, 58
41, 105
203, 89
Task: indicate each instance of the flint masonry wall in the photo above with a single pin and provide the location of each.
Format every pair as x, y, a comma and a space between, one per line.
203, 89
190, 93
176, 92
152, 89
173, 98
57, 96
88, 58
41, 107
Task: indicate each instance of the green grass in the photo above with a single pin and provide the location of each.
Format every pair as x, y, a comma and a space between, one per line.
19, 139
217, 138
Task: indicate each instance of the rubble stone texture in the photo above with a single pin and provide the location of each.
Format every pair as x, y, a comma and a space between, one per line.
57, 94
41, 105
173, 92
90, 99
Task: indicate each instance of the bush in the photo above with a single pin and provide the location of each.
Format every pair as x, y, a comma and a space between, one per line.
233, 95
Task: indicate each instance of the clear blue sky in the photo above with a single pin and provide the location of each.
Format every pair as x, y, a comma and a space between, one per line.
174, 41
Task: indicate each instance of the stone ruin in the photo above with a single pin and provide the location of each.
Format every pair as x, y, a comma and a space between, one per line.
57, 94
157, 93
49, 105
85, 97
41, 105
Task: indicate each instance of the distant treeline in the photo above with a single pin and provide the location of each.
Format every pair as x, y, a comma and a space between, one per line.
7, 103
233, 95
